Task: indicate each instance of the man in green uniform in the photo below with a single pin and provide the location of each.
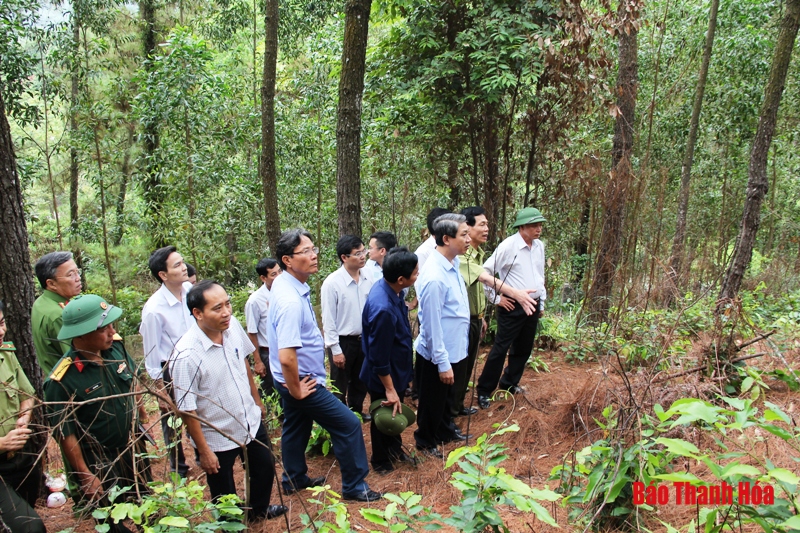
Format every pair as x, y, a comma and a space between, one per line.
20, 472
96, 437
61, 280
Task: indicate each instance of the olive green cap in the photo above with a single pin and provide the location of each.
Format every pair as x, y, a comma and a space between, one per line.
388, 424
84, 314
529, 215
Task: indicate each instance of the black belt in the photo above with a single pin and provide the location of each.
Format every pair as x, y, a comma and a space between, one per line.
351, 337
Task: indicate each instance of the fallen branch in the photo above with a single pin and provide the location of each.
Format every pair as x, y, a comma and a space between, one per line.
755, 340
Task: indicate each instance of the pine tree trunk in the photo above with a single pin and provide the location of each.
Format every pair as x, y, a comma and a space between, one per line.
16, 276
621, 177
269, 178
757, 182
348, 129
679, 241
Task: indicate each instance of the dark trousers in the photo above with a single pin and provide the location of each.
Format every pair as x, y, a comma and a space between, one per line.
434, 422
18, 493
267, 386
515, 334
173, 438
352, 390
261, 465
385, 448
461, 380
344, 427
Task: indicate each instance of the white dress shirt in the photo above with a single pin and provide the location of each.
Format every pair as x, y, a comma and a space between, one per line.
374, 270
343, 301
256, 312
519, 265
164, 321
211, 379
424, 251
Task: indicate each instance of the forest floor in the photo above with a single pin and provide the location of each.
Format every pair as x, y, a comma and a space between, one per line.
556, 416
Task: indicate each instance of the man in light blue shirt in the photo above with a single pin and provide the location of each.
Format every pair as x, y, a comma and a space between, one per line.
297, 361
444, 329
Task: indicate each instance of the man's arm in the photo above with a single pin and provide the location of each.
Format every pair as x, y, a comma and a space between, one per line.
329, 299
379, 340
254, 389
523, 296
432, 298
252, 315
90, 483
297, 388
208, 459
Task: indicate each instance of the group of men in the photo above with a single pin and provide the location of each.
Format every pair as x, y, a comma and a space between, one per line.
197, 355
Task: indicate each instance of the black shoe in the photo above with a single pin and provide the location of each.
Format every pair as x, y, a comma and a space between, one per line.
365, 417
484, 402
383, 469
404, 458
274, 511
367, 495
466, 411
431, 452
460, 437
515, 389
312, 482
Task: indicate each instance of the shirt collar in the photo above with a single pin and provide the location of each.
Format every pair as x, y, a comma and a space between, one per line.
168, 296
443, 260
302, 288
50, 295
521, 242
208, 343
475, 254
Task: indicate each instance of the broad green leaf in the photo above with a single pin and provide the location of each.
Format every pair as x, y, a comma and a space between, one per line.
680, 476
374, 516
792, 523
174, 521
782, 474
679, 447
738, 469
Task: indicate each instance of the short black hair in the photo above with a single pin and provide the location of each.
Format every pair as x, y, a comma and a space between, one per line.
196, 297
47, 265
435, 213
447, 224
399, 262
190, 270
264, 265
158, 261
384, 239
472, 212
290, 239
346, 244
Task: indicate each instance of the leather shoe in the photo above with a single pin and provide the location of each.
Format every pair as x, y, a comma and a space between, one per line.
460, 437
484, 402
367, 495
274, 511
466, 411
515, 389
431, 452
312, 482
365, 417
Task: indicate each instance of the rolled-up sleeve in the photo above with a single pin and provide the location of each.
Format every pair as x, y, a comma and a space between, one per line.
329, 300
379, 342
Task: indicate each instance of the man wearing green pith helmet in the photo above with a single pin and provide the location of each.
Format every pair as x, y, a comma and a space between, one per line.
93, 405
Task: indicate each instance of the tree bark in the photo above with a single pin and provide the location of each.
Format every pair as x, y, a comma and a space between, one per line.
679, 241
150, 134
757, 182
491, 172
620, 177
348, 129
16, 276
269, 178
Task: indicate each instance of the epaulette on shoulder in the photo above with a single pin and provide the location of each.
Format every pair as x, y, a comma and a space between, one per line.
117, 337
61, 369
7, 347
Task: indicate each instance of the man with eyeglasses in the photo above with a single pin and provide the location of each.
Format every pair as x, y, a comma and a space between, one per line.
344, 293
297, 361
60, 280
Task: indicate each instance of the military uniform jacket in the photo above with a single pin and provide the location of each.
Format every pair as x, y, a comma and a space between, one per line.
74, 379
46, 323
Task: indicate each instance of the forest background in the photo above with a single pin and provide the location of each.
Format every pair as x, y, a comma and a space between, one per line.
659, 139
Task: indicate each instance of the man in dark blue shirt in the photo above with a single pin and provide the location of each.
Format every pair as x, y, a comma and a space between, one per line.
386, 343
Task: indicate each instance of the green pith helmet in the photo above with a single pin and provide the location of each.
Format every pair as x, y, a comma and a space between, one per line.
529, 215
386, 423
84, 314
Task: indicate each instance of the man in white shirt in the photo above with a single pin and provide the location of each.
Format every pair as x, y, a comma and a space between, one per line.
380, 243
424, 251
256, 311
344, 293
165, 318
518, 261
219, 402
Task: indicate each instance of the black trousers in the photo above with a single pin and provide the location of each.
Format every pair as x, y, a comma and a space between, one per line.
262, 474
434, 421
462, 378
352, 390
173, 438
385, 448
18, 492
516, 332
267, 387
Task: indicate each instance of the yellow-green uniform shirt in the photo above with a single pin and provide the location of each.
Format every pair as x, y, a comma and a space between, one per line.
75, 379
16, 388
471, 267
46, 323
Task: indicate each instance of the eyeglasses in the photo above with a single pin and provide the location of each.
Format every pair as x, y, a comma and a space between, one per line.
307, 251
360, 253
74, 274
